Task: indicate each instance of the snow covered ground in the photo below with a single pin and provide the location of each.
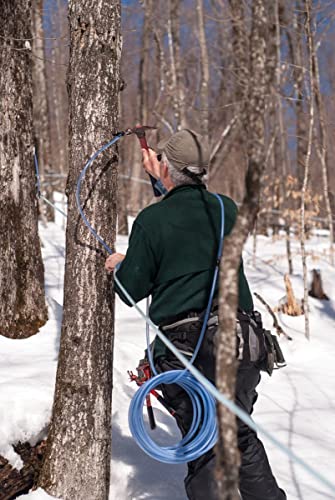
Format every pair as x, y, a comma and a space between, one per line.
297, 403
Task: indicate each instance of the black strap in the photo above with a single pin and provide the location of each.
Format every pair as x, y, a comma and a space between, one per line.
195, 177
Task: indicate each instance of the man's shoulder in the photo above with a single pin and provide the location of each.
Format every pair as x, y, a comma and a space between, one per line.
229, 203
149, 214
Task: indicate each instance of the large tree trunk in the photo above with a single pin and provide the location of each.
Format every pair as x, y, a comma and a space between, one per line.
40, 106
22, 303
77, 464
253, 118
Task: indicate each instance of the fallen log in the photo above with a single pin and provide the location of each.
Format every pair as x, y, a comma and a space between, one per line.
13, 482
276, 325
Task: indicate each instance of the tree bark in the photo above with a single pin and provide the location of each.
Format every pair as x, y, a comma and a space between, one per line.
22, 303
144, 66
322, 150
77, 464
301, 115
40, 106
204, 71
308, 25
176, 85
57, 55
253, 117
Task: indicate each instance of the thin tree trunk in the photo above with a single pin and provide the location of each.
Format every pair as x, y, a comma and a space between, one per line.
283, 159
307, 164
322, 151
204, 69
253, 117
240, 45
22, 303
77, 464
176, 87
301, 116
40, 107
144, 69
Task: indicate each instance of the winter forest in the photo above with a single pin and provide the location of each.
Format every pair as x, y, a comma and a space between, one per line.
86, 87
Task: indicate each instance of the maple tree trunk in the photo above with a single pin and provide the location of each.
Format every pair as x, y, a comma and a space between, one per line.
22, 303
77, 463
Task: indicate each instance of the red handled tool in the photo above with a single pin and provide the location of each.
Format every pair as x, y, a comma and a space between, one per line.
144, 374
139, 131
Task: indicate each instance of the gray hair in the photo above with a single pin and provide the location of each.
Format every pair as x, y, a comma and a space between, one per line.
179, 178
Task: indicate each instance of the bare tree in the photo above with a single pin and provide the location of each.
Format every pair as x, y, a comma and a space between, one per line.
308, 25
253, 118
40, 105
176, 85
77, 463
22, 305
283, 156
204, 71
56, 56
322, 149
300, 70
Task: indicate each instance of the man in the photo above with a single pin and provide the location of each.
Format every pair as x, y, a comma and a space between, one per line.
171, 256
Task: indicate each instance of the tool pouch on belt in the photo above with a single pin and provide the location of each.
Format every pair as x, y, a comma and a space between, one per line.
255, 344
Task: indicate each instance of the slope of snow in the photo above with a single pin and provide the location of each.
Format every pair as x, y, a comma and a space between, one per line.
297, 403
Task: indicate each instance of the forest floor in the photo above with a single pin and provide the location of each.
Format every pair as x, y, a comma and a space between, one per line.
297, 403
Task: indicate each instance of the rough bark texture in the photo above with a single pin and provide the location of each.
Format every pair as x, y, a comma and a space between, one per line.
40, 107
77, 464
22, 303
253, 118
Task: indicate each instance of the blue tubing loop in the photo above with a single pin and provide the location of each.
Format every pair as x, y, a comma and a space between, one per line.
193, 445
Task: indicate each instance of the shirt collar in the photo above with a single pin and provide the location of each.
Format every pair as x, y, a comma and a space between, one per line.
184, 187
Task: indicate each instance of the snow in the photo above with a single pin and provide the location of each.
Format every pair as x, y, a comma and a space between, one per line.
38, 494
296, 404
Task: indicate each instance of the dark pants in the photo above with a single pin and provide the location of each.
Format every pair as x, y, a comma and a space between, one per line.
256, 479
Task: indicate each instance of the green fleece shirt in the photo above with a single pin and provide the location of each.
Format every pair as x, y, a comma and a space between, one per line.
172, 253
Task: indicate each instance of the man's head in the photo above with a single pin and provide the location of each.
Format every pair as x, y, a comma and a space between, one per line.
185, 156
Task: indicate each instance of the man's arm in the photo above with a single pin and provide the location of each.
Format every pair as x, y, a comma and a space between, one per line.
138, 266
113, 260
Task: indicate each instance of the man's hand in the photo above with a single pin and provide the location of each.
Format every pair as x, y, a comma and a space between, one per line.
112, 260
150, 162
